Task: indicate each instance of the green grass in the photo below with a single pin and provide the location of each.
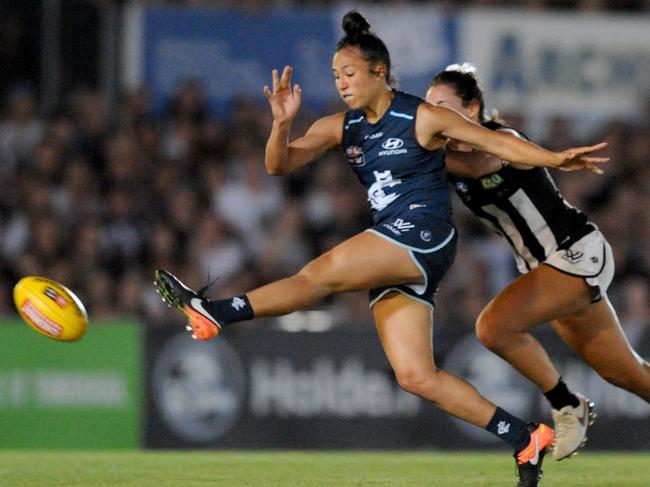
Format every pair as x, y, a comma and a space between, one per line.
307, 469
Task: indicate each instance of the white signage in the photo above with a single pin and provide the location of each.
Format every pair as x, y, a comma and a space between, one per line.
577, 65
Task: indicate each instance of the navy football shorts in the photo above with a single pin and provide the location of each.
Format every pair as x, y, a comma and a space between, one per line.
431, 242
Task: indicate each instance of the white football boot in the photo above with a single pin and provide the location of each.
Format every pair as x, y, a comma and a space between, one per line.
571, 425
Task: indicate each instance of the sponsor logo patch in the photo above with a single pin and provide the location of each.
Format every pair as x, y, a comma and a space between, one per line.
491, 181
38, 319
392, 143
393, 147
399, 226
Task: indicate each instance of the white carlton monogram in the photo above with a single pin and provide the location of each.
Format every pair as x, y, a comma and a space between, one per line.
238, 303
503, 427
376, 194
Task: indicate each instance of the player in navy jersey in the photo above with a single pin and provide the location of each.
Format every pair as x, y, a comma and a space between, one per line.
522, 204
395, 144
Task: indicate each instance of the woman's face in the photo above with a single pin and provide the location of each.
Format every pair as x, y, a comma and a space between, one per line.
356, 84
445, 96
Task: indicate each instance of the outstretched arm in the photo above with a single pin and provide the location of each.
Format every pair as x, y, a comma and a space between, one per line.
473, 164
281, 156
435, 122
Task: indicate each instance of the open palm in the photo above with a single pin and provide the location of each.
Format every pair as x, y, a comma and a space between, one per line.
284, 100
579, 158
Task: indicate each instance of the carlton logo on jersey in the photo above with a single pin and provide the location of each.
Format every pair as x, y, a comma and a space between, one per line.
378, 198
393, 147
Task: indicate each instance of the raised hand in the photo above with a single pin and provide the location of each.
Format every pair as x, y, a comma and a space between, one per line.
284, 100
578, 158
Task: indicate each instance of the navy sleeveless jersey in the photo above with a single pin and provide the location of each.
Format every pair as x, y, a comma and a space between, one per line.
401, 177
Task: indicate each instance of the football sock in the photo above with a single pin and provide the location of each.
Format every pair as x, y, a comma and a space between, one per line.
230, 310
510, 429
560, 396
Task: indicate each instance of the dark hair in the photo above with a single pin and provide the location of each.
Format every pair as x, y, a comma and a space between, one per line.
358, 34
466, 87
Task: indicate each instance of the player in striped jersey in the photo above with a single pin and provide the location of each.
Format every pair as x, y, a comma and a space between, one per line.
522, 204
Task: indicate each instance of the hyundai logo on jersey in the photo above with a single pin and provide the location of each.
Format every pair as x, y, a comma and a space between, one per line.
392, 143
392, 147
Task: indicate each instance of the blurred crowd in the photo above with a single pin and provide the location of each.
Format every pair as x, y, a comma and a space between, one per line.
99, 205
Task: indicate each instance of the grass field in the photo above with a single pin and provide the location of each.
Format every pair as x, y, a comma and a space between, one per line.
308, 469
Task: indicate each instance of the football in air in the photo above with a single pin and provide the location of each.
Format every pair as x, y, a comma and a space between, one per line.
50, 308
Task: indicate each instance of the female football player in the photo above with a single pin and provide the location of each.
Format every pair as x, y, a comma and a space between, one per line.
566, 263
394, 142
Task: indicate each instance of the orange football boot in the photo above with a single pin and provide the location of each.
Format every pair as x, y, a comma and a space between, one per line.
201, 323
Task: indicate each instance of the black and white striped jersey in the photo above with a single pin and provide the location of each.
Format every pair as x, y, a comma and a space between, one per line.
525, 207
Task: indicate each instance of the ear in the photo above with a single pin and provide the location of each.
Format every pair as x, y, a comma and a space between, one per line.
380, 71
474, 108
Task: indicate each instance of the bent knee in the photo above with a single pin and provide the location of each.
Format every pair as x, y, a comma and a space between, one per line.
322, 272
418, 382
487, 329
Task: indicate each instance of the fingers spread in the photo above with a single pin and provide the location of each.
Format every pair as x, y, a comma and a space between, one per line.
285, 81
599, 146
276, 80
590, 149
596, 160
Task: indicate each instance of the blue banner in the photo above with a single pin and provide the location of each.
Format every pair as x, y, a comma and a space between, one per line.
232, 54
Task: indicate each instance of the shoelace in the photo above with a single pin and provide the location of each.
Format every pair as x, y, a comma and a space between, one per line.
564, 422
201, 292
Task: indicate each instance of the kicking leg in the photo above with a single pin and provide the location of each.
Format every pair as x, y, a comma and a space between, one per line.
362, 262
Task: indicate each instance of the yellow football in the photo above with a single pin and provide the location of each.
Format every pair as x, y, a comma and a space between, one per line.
50, 308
